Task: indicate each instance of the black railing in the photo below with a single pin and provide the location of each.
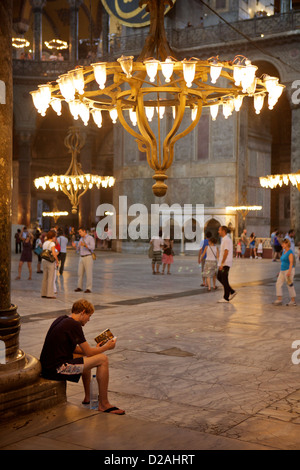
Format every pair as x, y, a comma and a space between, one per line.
184, 39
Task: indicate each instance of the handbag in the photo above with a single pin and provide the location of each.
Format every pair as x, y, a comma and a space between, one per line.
150, 251
47, 256
38, 250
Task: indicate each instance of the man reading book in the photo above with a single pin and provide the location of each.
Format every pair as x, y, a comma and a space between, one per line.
66, 355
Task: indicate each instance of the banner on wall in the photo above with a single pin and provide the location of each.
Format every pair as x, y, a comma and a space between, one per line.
129, 13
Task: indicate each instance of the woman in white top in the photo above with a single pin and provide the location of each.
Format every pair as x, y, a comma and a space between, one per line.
48, 267
211, 263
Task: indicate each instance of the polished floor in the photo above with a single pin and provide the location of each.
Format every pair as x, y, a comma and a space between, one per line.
190, 372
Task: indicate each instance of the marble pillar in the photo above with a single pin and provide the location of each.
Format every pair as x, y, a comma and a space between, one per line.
37, 8
295, 168
24, 197
9, 318
73, 40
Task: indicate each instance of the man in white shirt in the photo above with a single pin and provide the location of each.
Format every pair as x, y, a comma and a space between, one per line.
86, 247
225, 263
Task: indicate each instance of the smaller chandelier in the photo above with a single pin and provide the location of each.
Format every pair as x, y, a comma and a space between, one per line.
19, 43
74, 183
272, 181
56, 44
56, 215
244, 210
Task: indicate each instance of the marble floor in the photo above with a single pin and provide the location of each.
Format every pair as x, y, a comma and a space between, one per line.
191, 373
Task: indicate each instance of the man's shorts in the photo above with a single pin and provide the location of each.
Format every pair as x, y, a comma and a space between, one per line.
71, 371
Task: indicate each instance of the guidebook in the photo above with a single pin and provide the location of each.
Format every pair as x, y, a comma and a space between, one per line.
105, 336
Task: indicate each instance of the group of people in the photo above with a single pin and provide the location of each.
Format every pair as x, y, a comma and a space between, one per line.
51, 251
256, 247
161, 253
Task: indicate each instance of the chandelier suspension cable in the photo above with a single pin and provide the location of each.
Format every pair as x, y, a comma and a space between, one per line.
253, 43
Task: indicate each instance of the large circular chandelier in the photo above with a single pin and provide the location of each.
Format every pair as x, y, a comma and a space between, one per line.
137, 92
74, 183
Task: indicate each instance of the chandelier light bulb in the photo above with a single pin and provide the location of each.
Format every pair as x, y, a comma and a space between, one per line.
78, 80
56, 105
133, 117
84, 113
100, 74
74, 107
259, 102
151, 67
126, 63
270, 83
167, 69
149, 110
237, 74
113, 115
238, 101
189, 70
228, 107
215, 72
194, 113
66, 87
97, 116
248, 75
161, 111
214, 109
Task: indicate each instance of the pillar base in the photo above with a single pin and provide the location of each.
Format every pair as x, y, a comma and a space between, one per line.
23, 390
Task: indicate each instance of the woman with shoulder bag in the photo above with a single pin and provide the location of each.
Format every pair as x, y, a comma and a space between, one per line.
49, 267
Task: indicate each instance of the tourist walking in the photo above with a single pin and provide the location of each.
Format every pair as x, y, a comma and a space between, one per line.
277, 246
211, 254
286, 274
26, 255
244, 242
63, 242
18, 241
47, 290
225, 263
201, 260
167, 257
85, 247
252, 246
157, 244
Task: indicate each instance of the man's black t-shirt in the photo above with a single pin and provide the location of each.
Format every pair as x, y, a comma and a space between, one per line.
63, 336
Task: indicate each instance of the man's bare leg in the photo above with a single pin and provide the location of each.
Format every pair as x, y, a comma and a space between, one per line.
100, 361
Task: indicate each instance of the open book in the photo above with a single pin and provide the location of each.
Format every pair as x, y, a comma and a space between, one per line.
105, 336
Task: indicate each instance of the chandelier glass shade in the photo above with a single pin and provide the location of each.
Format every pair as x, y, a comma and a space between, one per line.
74, 183
138, 92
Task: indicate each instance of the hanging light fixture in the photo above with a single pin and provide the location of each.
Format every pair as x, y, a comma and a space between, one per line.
272, 181
57, 44
162, 82
74, 183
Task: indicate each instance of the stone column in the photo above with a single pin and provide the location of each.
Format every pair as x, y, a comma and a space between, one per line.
295, 168
24, 198
37, 8
9, 318
73, 38
105, 32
